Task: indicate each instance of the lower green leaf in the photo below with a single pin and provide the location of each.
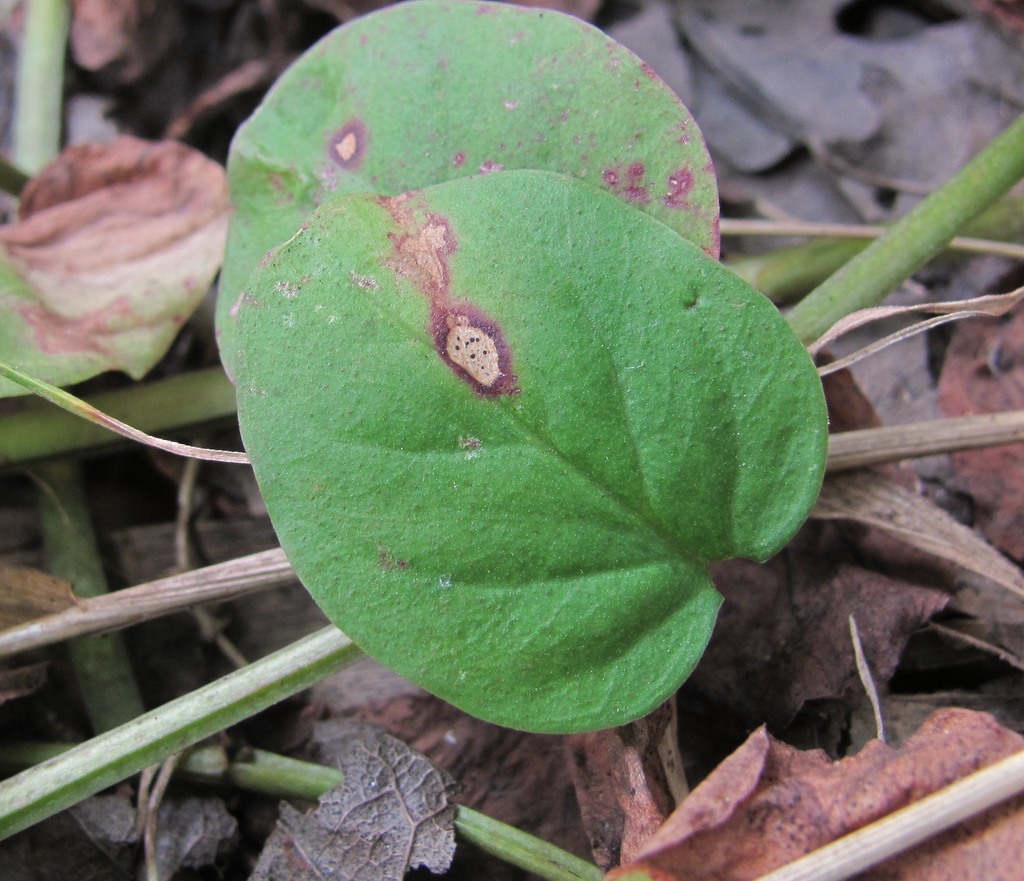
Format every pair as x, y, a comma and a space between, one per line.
503, 425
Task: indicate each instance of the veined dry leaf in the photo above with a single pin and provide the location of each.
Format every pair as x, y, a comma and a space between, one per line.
874, 500
390, 814
27, 594
97, 840
115, 246
768, 804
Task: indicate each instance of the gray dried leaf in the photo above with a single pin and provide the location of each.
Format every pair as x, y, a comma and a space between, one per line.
390, 814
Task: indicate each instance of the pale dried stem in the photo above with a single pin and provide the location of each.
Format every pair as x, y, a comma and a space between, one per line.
873, 446
217, 583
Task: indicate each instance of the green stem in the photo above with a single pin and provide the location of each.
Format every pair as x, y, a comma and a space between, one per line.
522, 849
39, 88
787, 274
107, 759
12, 178
40, 430
272, 774
914, 239
105, 679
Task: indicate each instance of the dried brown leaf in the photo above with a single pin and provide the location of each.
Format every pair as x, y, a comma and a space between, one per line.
984, 373
992, 305
516, 777
17, 682
97, 840
769, 804
27, 594
390, 814
620, 785
782, 638
122, 39
874, 500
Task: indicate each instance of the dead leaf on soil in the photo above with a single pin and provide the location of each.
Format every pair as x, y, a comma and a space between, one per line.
122, 39
115, 246
518, 778
27, 594
783, 639
874, 500
390, 814
97, 839
17, 682
768, 804
984, 373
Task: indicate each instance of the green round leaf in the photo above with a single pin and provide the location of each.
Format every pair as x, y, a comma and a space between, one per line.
426, 92
502, 425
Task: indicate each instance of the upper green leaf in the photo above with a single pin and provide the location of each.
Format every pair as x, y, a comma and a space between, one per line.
429, 91
503, 424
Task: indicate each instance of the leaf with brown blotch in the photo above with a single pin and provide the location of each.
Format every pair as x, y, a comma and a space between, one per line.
115, 246
768, 804
390, 814
984, 373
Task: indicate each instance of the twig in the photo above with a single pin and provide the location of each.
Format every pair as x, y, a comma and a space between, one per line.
874, 446
217, 583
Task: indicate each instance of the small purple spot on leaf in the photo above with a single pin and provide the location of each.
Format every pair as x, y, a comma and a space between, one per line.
680, 183
459, 159
347, 145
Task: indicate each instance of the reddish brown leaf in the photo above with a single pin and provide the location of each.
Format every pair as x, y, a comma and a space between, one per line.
984, 373
769, 803
620, 785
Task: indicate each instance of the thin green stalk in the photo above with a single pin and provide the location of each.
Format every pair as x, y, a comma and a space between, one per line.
272, 774
41, 431
60, 782
522, 849
914, 239
39, 88
102, 668
787, 274
12, 178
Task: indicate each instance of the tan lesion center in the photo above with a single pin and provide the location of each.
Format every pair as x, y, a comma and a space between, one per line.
347, 146
474, 350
